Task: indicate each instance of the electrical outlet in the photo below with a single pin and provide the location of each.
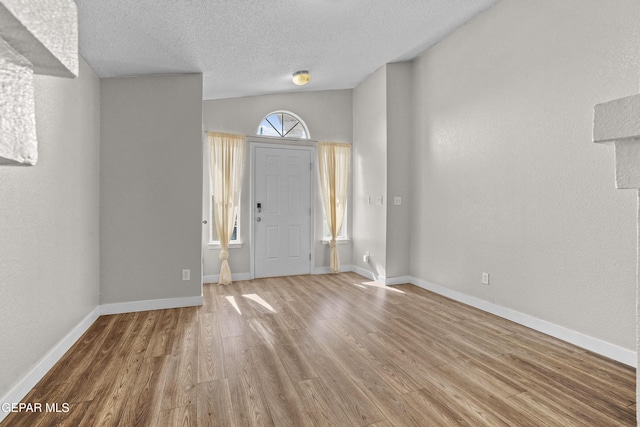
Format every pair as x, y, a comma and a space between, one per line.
485, 278
186, 274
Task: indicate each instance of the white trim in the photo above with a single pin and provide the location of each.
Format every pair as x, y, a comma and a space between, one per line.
398, 280
24, 386
623, 355
370, 275
44, 365
339, 240
214, 278
612, 351
387, 281
146, 305
327, 270
215, 245
282, 141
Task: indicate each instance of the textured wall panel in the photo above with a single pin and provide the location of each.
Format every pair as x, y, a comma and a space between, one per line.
35, 36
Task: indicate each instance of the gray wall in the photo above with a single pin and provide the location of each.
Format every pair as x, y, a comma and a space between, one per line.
506, 178
383, 140
328, 117
49, 219
399, 150
151, 187
370, 172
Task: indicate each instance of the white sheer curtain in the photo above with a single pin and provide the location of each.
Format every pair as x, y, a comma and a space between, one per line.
226, 156
334, 159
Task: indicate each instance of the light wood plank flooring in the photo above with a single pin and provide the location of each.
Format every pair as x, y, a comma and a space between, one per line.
330, 350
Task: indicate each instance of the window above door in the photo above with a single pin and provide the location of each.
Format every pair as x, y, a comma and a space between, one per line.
283, 124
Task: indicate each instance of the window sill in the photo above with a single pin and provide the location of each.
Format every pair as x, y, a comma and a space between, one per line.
216, 245
339, 241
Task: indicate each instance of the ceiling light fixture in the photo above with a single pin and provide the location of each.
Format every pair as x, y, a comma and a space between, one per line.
301, 77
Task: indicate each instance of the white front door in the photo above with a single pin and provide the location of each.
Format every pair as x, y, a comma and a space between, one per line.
282, 211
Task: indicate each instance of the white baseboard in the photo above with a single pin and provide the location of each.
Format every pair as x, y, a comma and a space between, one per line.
20, 390
368, 274
612, 351
154, 304
398, 280
214, 278
623, 355
17, 393
361, 271
388, 281
327, 270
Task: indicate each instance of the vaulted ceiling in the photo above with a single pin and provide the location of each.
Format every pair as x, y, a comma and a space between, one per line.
252, 47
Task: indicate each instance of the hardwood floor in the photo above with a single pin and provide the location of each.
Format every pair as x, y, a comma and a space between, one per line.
328, 350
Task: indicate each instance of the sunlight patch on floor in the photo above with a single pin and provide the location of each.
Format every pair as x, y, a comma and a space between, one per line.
232, 301
259, 300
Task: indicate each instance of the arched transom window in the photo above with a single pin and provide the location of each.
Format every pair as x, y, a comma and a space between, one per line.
283, 124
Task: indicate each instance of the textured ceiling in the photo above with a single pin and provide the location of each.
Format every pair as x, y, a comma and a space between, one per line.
251, 47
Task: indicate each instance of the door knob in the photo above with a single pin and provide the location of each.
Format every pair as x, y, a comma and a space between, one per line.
258, 219
204, 221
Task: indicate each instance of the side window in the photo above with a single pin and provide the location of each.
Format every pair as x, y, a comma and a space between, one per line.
325, 228
214, 233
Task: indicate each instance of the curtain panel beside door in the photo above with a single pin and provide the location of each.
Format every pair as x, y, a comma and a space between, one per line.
334, 159
226, 159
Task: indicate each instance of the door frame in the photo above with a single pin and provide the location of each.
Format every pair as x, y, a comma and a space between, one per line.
298, 144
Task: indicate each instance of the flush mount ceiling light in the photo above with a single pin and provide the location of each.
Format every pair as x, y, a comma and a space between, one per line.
301, 77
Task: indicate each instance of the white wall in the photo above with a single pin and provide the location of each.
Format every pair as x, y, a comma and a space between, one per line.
328, 117
399, 149
151, 187
49, 219
383, 139
370, 172
506, 178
